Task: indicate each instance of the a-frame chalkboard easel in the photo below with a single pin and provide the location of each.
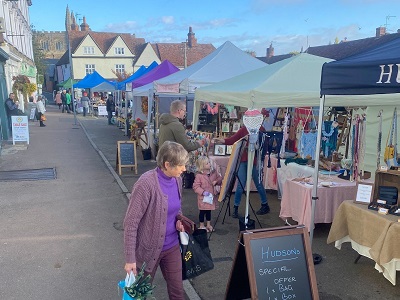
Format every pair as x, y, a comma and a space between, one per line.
277, 263
126, 156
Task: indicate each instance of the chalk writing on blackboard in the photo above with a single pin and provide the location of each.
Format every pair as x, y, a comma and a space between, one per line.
126, 155
279, 265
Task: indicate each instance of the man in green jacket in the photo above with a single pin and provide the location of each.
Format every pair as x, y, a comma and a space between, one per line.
171, 129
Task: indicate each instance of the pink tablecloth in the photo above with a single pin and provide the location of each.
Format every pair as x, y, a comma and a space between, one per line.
296, 201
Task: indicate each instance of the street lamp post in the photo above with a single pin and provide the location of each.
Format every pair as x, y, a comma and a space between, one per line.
72, 79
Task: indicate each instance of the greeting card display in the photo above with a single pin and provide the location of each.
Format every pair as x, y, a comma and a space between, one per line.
235, 126
219, 150
225, 127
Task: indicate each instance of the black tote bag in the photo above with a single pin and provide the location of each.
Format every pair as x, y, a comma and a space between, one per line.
196, 256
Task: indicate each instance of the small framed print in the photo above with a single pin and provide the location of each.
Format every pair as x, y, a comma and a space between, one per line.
235, 126
225, 127
233, 114
219, 150
229, 149
365, 192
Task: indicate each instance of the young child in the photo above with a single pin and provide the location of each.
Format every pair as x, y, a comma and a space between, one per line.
204, 186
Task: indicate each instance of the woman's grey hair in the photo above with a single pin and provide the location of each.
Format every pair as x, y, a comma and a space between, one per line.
176, 105
173, 153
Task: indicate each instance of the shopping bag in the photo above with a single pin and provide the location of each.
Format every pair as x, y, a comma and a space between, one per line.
42, 118
129, 279
196, 256
136, 287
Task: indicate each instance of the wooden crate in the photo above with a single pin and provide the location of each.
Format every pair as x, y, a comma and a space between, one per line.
388, 178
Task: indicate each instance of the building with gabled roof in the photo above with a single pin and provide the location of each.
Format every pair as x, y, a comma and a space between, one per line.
348, 48
183, 54
108, 52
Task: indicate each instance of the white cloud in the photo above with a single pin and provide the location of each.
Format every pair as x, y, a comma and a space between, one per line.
128, 26
168, 20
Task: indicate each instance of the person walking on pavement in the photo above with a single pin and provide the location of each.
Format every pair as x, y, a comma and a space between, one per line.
204, 186
85, 103
40, 111
152, 220
11, 109
171, 129
58, 100
110, 106
64, 101
242, 174
69, 101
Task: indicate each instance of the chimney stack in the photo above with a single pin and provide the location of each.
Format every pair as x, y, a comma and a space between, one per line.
380, 31
84, 25
270, 51
192, 41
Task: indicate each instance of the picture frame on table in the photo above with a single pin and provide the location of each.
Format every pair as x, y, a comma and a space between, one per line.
365, 192
229, 149
220, 150
225, 127
235, 126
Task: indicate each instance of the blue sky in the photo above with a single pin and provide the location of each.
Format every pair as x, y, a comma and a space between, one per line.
249, 24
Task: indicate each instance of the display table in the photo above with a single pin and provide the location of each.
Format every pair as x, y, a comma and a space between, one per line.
296, 200
372, 235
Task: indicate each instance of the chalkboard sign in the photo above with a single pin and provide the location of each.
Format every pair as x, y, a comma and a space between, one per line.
279, 265
126, 155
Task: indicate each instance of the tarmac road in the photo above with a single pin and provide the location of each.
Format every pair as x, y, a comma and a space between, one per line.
62, 238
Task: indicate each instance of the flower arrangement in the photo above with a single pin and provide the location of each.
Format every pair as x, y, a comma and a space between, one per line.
138, 123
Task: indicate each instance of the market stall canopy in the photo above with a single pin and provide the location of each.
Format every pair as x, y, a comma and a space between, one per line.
140, 72
67, 84
371, 72
293, 82
164, 69
142, 90
225, 62
137, 74
95, 80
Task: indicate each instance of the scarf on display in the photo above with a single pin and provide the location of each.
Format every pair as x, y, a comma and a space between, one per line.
261, 152
212, 108
378, 158
390, 155
285, 133
358, 146
274, 144
329, 137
